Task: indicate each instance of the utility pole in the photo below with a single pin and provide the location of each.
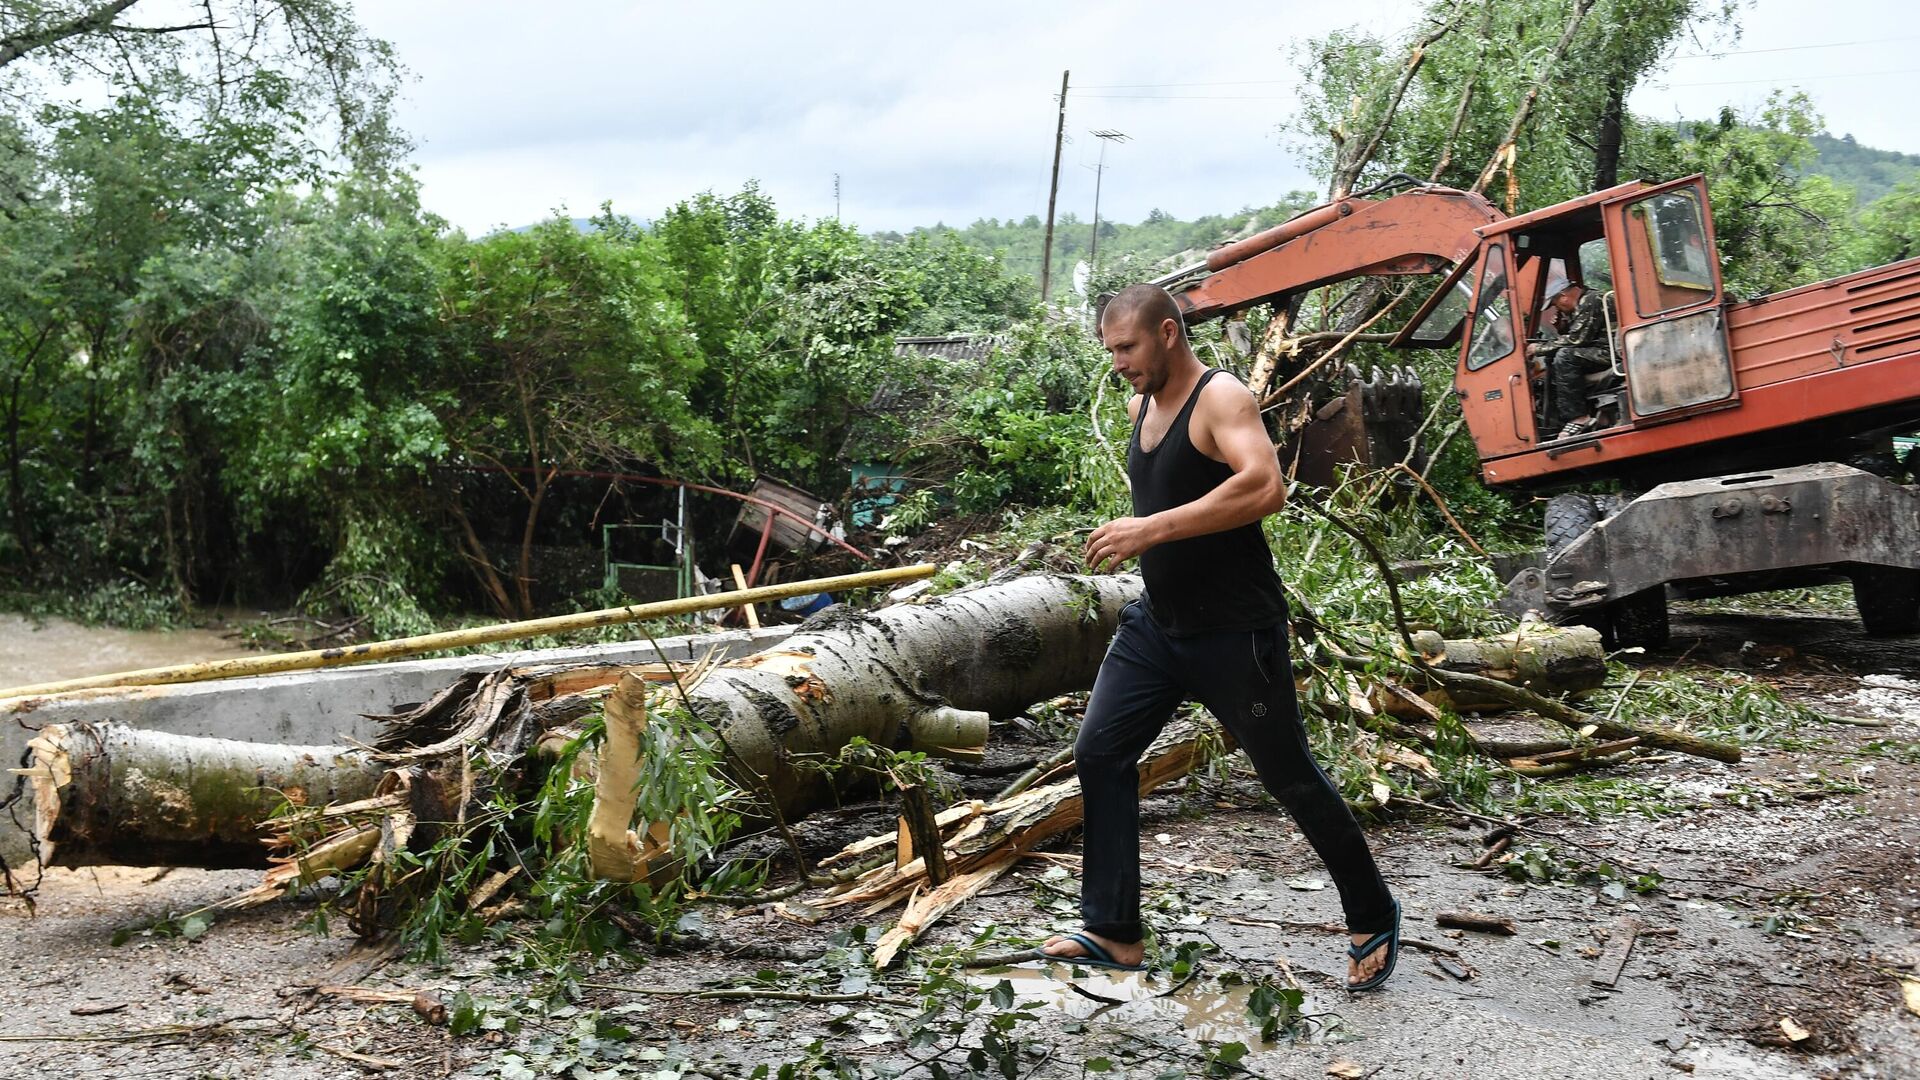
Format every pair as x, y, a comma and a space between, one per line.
1053, 192
836, 196
1106, 136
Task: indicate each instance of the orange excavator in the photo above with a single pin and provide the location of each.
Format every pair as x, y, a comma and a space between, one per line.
1743, 444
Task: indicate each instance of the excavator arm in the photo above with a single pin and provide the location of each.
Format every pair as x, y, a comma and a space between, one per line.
1421, 231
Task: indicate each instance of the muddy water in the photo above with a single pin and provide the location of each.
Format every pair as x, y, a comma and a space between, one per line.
33, 652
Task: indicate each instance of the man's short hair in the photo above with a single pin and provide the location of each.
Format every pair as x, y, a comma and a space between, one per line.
1150, 304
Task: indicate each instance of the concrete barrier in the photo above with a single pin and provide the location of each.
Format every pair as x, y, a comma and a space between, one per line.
309, 707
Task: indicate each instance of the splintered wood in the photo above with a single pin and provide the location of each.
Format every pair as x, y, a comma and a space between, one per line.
983, 841
614, 850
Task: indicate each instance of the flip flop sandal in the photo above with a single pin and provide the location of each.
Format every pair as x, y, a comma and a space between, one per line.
1388, 938
1096, 956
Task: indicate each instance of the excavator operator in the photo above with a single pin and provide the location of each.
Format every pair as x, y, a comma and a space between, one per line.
1576, 349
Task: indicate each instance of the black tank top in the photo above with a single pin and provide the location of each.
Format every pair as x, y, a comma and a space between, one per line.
1204, 584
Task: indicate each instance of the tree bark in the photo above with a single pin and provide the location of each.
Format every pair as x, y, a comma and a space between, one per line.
108, 794
994, 650
90, 22
1549, 659
1606, 148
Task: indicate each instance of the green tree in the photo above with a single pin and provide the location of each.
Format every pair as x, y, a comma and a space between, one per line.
563, 350
1776, 225
1889, 228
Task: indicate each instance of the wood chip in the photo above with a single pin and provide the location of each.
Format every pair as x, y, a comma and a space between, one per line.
1347, 1070
1619, 946
1793, 1031
1910, 994
428, 1006
96, 1010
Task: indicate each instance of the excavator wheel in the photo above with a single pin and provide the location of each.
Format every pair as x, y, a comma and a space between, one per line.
1568, 519
1888, 599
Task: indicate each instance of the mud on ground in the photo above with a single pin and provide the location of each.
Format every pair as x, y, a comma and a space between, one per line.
1772, 946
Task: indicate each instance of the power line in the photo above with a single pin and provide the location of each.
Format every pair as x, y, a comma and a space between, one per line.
1164, 85
1793, 48
1191, 97
1786, 80
1290, 82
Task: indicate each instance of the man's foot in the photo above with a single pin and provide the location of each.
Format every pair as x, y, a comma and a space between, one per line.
1359, 971
1371, 957
1121, 954
1578, 427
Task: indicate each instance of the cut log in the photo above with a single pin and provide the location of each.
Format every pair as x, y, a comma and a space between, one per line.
1548, 659
939, 670
111, 794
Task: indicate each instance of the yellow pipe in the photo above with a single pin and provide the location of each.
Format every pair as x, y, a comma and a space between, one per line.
477, 635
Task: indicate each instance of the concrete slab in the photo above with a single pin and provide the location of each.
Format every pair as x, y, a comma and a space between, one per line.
311, 707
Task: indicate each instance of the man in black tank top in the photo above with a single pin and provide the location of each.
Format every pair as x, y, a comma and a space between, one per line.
1211, 628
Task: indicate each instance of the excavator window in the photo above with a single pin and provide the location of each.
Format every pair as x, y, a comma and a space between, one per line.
1442, 324
1493, 318
1675, 244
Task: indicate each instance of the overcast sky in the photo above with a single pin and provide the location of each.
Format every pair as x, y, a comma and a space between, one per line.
946, 113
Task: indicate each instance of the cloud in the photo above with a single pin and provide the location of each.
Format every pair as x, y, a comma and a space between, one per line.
927, 113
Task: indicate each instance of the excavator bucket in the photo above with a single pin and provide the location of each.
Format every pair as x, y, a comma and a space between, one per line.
1373, 425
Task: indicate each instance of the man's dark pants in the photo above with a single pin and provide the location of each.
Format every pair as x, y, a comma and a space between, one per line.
1568, 369
1245, 678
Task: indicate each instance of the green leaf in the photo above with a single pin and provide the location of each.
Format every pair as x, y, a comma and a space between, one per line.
1230, 1053
466, 1017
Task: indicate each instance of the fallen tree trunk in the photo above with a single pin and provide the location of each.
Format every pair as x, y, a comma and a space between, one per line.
929, 675
112, 794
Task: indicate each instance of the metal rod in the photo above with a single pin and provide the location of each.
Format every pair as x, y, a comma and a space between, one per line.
476, 635
760, 552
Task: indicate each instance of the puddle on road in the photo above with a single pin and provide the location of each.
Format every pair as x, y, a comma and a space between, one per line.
1203, 1010
57, 649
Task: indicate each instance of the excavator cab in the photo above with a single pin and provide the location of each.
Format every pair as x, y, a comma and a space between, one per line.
1648, 251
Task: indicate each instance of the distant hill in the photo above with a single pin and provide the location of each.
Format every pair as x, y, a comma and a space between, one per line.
1160, 236
1869, 172
583, 225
